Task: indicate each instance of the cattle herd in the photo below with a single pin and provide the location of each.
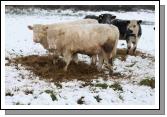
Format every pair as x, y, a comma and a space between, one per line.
95, 36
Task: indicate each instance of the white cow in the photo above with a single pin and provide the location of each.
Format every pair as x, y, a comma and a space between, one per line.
40, 32
89, 39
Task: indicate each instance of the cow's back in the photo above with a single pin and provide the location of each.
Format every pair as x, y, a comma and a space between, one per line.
81, 36
76, 22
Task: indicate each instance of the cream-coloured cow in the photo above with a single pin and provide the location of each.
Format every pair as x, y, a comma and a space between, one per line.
89, 39
40, 30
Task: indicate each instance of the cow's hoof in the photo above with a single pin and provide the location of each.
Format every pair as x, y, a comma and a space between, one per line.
65, 69
127, 52
134, 53
54, 62
110, 72
99, 69
93, 64
76, 62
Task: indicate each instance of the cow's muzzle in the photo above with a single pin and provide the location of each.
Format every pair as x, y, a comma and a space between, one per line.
129, 33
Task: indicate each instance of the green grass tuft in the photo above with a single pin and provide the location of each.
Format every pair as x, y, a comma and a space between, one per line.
121, 98
148, 82
80, 100
52, 95
116, 86
18, 103
102, 85
58, 85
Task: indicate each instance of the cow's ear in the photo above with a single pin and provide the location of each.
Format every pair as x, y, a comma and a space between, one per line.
139, 22
128, 21
100, 17
30, 27
113, 17
46, 27
61, 32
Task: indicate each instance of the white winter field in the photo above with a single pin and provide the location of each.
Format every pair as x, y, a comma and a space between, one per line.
134, 84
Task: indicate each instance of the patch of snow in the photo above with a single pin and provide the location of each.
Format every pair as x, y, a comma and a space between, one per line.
138, 95
71, 91
136, 67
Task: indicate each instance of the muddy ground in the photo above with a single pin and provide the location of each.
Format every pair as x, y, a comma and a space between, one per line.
43, 67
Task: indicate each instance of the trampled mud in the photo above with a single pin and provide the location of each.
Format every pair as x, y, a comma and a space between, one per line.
43, 67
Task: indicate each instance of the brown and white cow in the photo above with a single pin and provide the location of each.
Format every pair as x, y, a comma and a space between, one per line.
89, 39
130, 30
134, 35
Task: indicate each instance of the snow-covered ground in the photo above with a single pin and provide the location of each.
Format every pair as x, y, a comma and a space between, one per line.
30, 90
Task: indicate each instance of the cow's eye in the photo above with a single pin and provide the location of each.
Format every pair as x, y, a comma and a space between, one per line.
134, 26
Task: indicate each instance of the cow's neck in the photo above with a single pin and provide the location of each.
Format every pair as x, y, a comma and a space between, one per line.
45, 43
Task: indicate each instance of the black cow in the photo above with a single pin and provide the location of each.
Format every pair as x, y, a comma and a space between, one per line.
91, 17
103, 18
106, 18
122, 26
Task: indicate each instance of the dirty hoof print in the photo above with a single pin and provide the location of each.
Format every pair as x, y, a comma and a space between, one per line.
54, 62
117, 74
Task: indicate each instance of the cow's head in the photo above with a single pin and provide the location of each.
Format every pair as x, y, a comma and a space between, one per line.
106, 18
39, 32
134, 27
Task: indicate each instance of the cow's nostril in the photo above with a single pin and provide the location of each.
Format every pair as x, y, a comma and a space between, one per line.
129, 31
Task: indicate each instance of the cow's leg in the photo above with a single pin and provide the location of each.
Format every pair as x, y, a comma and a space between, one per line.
50, 54
55, 55
109, 62
67, 58
128, 46
54, 60
75, 58
135, 45
134, 48
93, 59
111, 66
100, 64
